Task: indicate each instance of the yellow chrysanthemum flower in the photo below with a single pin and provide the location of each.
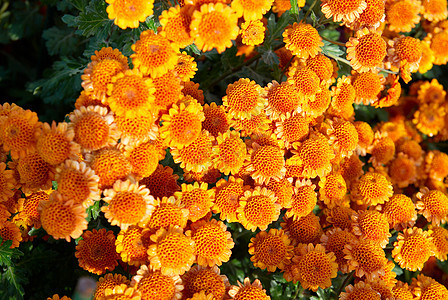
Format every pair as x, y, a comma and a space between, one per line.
252, 32
175, 24
251, 10
127, 13
197, 199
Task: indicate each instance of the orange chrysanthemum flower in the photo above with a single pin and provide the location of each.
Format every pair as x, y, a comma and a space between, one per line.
343, 10
429, 118
186, 67
212, 241
343, 137
366, 51
305, 230
128, 204
94, 127
306, 82
230, 152
322, 66
85, 99
267, 163
292, 128
283, 190
167, 91
374, 188
61, 218
258, 124
431, 92
182, 125
372, 16
29, 214
316, 268
173, 252
35, 174
332, 189
400, 211
402, 171
403, 15
132, 245
360, 290
340, 216
258, 209
281, 99
121, 291
168, 211
252, 32
109, 53
195, 157
402, 291
371, 225
154, 285
244, 99
227, 195
368, 86
248, 291
10, 232
436, 164
110, 165
425, 287
214, 26
320, 104
216, 120
405, 53
55, 144
108, 281
197, 199
175, 24
303, 199
365, 136
78, 182
251, 10
426, 63
439, 42
433, 205
192, 89
334, 241
365, 257
435, 10
302, 40
344, 95
440, 240
18, 132
154, 54
383, 149
129, 13
413, 248
271, 250
161, 183
7, 183
144, 157
205, 279
96, 251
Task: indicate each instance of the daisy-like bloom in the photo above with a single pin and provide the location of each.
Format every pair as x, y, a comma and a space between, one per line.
197, 199
428, 58
413, 248
302, 40
252, 32
108, 281
144, 157
438, 44
7, 183
343, 94
283, 190
230, 152
440, 240
175, 24
226, 197
343, 137
207, 279
128, 204
196, 156
334, 241
306, 82
371, 225
332, 189
322, 66
402, 171
129, 13
130, 95
412, 149
271, 250
382, 288
373, 188
173, 252
248, 291
216, 120
94, 127
161, 183
251, 10
320, 104
244, 99
35, 174
154, 54
368, 86
55, 144
29, 214
365, 136
168, 211
389, 275
167, 91
212, 241
258, 209
400, 211
78, 182
431, 92
316, 268
132, 245
433, 204
192, 89
305, 230
99, 74
403, 15
372, 16
393, 93
182, 125
367, 51
303, 199
383, 149
360, 290
366, 257
10, 232
435, 10
292, 128
402, 291
315, 154
214, 26
110, 165
154, 285
136, 129
62, 219
436, 164
429, 118
343, 10
405, 53
18, 131
258, 124
121, 291
266, 164
186, 67
96, 251
340, 216
109, 53
427, 288
86, 99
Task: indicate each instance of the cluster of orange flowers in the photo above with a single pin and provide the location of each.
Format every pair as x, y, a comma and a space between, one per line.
291, 148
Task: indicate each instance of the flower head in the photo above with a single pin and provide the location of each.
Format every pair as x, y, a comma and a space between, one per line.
368, 86
366, 51
197, 199
303, 200
110, 165
400, 211
161, 183
371, 225
206, 279
440, 240
360, 290
154, 285
433, 204
365, 257
302, 40
132, 245
35, 174
167, 91
403, 15
176, 25
305, 230
230, 152
244, 99
374, 188
129, 13
248, 291
251, 10
334, 241
196, 156
186, 67
227, 195
252, 32
216, 120
435, 10
332, 189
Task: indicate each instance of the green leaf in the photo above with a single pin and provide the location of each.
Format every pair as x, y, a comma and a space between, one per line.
331, 49
15, 278
60, 41
268, 56
275, 29
93, 211
7, 254
294, 7
330, 34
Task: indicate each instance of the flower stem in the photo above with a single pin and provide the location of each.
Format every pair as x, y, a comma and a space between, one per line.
346, 281
333, 42
343, 60
309, 10
299, 290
